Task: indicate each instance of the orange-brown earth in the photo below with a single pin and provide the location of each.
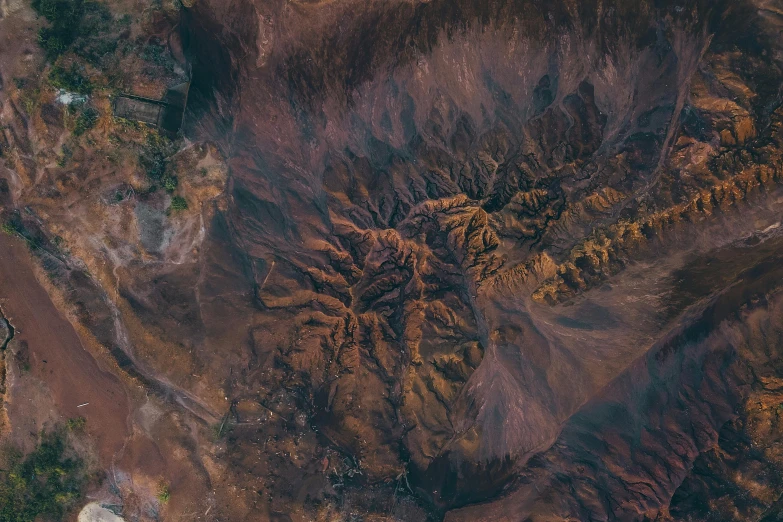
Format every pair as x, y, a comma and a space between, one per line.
52, 354
462, 260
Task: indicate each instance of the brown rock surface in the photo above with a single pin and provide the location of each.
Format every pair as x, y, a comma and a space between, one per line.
472, 260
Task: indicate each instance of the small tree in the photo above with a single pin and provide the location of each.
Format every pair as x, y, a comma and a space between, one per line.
10, 228
85, 121
163, 493
170, 183
178, 203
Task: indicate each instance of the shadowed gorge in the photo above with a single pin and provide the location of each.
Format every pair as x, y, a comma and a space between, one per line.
411, 260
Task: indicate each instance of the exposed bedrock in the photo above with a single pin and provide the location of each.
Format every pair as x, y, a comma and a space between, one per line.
455, 237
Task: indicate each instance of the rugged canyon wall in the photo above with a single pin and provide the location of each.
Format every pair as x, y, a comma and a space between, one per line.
417, 186
504, 260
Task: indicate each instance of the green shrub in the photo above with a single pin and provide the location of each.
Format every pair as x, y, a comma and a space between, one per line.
66, 156
47, 483
163, 493
59, 11
95, 50
178, 203
96, 39
64, 17
154, 163
155, 53
86, 121
153, 157
97, 19
31, 98
170, 183
76, 423
11, 228
70, 79
82, 26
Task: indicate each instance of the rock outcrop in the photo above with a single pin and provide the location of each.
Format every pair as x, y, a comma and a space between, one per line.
487, 260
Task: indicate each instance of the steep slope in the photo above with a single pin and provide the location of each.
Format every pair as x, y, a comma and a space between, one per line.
498, 260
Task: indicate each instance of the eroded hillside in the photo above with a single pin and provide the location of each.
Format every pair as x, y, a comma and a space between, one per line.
504, 260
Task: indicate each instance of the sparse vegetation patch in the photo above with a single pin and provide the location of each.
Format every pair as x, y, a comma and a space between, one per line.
46, 484
163, 494
64, 17
85, 121
71, 79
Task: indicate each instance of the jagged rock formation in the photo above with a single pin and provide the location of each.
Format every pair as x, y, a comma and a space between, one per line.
442, 192
510, 251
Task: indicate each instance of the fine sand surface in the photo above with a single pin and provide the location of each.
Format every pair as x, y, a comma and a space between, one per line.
93, 512
56, 355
